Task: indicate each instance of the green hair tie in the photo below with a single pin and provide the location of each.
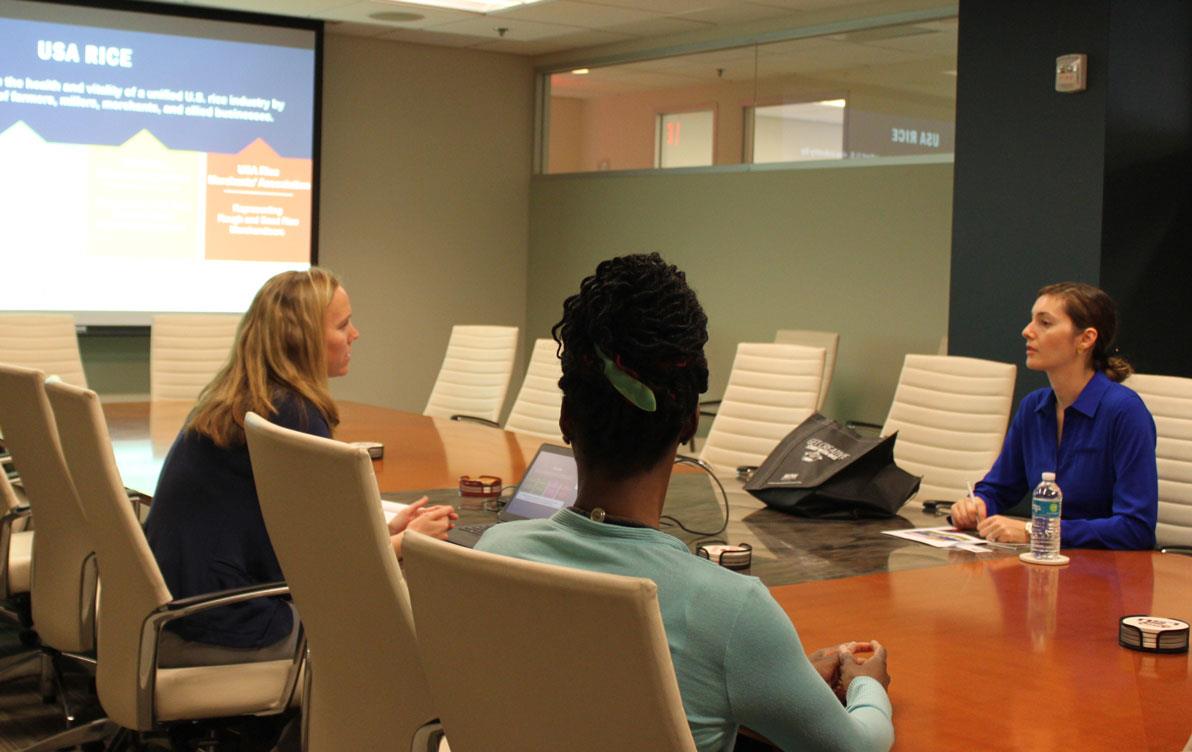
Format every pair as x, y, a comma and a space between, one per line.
638, 394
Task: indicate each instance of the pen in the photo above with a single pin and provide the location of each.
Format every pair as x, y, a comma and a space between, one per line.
972, 496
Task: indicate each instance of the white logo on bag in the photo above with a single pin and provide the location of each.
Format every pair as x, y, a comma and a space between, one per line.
788, 477
816, 449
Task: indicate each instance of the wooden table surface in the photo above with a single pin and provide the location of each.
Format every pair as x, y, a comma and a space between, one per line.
994, 654
985, 652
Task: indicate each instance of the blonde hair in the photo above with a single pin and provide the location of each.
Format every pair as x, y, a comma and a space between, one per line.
279, 347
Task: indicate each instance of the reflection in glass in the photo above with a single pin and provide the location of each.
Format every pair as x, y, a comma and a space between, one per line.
796, 132
684, 139
877, 92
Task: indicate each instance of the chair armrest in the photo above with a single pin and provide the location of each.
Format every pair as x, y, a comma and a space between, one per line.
176, 609
15, 514
937, 506
6, 522
180, 607
853, 425
474, 419
709, 407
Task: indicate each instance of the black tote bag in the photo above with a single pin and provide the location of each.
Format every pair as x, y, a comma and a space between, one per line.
822, 469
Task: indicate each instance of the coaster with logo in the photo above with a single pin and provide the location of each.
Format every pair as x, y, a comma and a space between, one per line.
1153, 634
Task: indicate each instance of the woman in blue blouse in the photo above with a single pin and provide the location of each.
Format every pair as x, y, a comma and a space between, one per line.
1095, 434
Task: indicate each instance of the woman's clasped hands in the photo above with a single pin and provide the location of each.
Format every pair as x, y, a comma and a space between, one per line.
840, 664
435, 521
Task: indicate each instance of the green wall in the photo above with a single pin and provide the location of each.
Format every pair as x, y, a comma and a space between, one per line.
862, 250
116, 366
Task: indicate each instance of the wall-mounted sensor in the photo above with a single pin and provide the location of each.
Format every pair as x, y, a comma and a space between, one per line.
1071, 73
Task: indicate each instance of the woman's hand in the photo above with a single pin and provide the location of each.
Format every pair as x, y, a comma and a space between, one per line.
968, 512
434, 521
1001, 529
854, 662
826, 662
403, 516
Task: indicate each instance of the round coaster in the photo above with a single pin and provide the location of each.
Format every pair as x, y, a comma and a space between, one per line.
1029, 558
1153, 634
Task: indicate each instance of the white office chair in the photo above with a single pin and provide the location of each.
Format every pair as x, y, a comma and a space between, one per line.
16, 553
16, 543
62, 577
771, 390
186, 351
365, 686
527, 656
135, 605
830, 341
536, 409
951, 415
474, 377
1169, 398
45, 341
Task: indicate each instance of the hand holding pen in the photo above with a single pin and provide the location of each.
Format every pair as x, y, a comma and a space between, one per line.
969, 512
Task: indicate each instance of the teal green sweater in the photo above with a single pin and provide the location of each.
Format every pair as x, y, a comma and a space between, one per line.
737, 657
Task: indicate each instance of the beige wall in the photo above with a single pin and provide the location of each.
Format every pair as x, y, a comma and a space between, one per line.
424, 198
425, 190
860, 250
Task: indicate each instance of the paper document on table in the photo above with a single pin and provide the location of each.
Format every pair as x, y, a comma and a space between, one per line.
976, 548
940, 537
391, 508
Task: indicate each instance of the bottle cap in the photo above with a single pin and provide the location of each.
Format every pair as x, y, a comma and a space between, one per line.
1048, 476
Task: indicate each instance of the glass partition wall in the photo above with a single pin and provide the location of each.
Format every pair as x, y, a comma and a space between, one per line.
872, 92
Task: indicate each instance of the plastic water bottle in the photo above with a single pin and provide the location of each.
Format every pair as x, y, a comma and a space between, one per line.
1046, 503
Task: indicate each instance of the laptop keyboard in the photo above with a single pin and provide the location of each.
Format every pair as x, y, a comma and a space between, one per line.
475, 529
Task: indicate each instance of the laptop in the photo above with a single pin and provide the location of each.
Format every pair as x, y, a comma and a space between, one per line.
550, 483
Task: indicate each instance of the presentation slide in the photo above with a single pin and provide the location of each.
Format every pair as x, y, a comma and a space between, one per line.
150, 163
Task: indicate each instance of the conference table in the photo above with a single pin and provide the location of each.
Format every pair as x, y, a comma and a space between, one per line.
986, 653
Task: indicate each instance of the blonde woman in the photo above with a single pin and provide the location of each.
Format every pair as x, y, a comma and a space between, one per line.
205, 526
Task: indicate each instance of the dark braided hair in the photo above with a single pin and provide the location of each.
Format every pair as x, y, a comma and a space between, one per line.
639, 311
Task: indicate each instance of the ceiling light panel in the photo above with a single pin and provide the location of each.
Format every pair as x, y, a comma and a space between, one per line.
470, 6
366, 12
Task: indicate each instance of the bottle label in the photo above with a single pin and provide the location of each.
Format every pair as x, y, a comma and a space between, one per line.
1043, 508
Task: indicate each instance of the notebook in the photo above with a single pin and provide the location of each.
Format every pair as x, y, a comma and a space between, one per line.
550, 483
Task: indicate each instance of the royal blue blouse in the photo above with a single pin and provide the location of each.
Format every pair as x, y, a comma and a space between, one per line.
1105, 465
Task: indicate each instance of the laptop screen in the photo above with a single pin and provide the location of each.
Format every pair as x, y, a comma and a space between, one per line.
550, 483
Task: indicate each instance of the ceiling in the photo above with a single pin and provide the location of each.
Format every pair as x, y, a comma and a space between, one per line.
544, 27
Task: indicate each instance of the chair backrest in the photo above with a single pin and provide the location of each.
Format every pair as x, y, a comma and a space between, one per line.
186, 351
951, 415
323, 512
62, 579
45, 341
1169, 398
132, 583
527, 656
830, 341
536, 409
474, 377
771, 390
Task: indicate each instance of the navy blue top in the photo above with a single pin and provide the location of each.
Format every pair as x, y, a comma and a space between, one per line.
207, 534
1105, 465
